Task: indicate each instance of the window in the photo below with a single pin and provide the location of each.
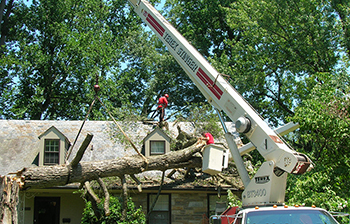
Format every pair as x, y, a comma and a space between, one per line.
51, 151
216, 205
161, 211
53, 147
157, 147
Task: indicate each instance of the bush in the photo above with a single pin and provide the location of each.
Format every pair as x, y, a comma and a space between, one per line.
134, 215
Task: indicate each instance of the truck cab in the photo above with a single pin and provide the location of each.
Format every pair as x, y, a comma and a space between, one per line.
274, 215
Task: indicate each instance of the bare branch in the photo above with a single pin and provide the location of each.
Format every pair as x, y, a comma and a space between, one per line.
91, 192
106, 193
93, 198
171, 173
125, 197
139, 187
81, 150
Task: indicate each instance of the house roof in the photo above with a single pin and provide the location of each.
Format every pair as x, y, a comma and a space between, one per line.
157, 129
20, 142
51, 129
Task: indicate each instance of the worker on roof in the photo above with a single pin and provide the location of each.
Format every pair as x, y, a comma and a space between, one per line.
207, 137
162, 104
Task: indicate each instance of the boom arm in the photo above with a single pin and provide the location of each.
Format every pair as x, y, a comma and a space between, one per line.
279, 156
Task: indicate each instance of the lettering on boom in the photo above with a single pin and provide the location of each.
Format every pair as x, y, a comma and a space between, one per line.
257, 193
181, 52
187, 59
170, 41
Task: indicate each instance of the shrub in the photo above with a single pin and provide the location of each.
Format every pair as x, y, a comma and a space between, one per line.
134, 215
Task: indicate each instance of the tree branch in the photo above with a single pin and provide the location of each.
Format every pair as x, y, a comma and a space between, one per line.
93, 198
91, 192
81, 150
106, 193
125, 197
139, 187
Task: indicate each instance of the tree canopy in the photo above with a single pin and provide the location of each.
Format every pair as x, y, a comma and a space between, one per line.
55, 51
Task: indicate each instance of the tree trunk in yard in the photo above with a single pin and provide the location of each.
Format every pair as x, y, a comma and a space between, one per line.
9, 189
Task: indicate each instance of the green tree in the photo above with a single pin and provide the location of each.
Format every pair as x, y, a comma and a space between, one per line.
270, 49
325, 136
342, 9
54, 56
53, 59
134, 215
150, 73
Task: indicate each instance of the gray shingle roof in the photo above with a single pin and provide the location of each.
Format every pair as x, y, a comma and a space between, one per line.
20, 139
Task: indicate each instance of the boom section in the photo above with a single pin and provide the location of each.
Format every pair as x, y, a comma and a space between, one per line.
219, 92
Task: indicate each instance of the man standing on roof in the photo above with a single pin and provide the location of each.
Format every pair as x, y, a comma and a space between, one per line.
162, 104
206, 136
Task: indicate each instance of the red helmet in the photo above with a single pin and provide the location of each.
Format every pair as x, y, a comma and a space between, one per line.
166, 95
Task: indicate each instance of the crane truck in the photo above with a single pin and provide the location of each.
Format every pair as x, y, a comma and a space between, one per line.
264, 194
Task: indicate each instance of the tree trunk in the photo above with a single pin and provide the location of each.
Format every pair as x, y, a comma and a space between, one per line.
8, 200
60, 175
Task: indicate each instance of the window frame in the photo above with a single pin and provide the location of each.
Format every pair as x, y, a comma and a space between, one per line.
157, 153
51, 152
208, 202
149, 204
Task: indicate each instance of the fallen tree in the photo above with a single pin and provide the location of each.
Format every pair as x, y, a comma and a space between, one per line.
59, 175
83, 172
